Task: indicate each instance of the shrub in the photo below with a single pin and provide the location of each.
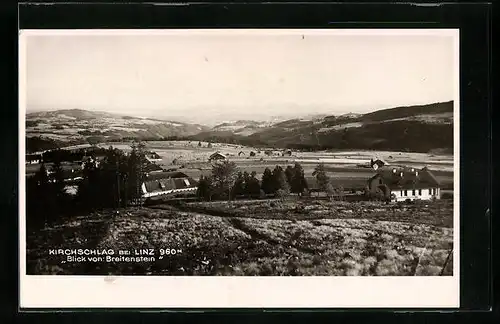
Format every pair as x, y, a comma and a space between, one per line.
281, 194
447, 195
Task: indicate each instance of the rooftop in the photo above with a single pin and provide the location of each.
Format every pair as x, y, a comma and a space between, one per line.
168, 181
166, 175
405, 177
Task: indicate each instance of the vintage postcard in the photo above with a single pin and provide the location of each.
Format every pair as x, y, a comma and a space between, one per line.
239, 168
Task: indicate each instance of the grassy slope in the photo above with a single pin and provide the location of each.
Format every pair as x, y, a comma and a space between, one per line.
260, 238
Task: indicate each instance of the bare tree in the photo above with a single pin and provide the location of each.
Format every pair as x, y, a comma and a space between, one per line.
224, 176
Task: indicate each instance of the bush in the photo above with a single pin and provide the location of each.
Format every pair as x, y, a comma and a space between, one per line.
281, 194
447, 195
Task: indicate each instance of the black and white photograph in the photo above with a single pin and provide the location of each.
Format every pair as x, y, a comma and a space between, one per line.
239, 153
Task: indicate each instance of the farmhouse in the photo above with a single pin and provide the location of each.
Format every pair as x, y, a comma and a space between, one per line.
217, 156
165, 183
33, 158
241, 153
400, 184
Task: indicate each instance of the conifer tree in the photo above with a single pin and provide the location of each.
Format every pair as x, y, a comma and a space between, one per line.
253, 185
239, 185
267, 182
279, 181
298, 183
321, 177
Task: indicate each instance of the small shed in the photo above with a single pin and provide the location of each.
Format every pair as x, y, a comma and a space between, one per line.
153, 157
217, 156
377, 163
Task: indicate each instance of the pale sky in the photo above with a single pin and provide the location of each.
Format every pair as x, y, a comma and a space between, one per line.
228, 76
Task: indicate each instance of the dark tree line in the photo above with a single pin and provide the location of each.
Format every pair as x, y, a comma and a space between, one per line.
227, 182
113, 182
61, 155
46, 198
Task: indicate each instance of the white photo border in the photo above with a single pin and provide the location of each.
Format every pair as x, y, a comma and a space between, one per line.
58, 291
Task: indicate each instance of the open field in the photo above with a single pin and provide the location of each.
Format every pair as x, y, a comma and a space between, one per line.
266, 237
342, 166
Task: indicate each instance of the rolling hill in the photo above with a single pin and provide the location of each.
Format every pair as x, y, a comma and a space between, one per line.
422, 128
77, 125
241, 127
415, 128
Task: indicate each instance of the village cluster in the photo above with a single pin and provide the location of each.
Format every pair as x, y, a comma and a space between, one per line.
388, 182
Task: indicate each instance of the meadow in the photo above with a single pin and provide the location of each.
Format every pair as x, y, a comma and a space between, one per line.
307, 236
258, 238
347, 168
344, 167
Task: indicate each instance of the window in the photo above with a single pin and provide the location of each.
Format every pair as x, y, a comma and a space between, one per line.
406, 192
186, 181
420, 192
401, 193
413, 192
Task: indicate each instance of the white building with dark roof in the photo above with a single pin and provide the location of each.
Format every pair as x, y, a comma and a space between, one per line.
167, 183
403, 183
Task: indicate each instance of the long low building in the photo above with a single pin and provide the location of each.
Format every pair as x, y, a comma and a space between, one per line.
166, 183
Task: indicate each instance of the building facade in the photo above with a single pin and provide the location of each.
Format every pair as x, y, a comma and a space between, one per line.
402, 184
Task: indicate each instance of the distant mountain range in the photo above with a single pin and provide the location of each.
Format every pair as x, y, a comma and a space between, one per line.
415, 128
